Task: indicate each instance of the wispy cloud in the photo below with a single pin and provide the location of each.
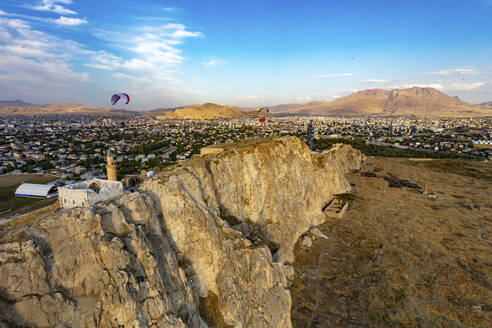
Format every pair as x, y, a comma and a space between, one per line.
251, 97
151, 67
55, 6
323, 76
438, 86
170, 9
36, 64
303, 98
68, 21
465, 86
455, 71
2, 12
373, 81
215, 63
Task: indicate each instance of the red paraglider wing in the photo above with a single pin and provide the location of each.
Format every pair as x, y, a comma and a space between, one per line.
127, 98
262, 119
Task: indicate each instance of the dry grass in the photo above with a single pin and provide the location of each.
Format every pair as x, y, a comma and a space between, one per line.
398, 259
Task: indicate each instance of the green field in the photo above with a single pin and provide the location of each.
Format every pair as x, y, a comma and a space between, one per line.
11, 205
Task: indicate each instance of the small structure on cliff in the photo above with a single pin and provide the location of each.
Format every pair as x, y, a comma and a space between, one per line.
132, 180
88, 192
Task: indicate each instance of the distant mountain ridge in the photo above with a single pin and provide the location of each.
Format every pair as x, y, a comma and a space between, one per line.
63, 109
19, 103
487, 104
414, 101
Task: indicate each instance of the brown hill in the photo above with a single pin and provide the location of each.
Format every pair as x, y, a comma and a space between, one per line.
205, 112
405, 102
62, 109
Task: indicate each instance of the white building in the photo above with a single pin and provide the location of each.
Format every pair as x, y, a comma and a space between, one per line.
36, 190
89, 192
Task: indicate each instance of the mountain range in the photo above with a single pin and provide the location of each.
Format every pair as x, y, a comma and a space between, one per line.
418, 102
422, 102
59, 109
18, 103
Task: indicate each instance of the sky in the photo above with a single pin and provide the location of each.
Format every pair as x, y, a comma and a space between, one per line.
246, 53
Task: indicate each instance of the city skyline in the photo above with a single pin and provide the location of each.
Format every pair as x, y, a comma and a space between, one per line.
246, 54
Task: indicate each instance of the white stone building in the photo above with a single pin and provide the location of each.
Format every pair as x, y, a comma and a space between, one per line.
88, 192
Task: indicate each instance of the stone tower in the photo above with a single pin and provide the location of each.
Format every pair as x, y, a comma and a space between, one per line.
310, 134
110, 166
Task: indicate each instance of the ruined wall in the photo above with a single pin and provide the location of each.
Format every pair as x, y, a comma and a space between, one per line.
206, 243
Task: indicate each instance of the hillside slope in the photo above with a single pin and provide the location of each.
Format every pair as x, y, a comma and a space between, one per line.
399, 259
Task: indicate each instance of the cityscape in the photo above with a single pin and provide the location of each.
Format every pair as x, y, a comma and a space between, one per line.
74, 148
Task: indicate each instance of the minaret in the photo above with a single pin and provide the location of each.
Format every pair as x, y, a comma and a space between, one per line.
110, 166
310, 135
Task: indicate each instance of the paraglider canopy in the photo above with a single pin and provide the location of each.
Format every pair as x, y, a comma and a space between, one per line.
262, 109
118, 96
262, 119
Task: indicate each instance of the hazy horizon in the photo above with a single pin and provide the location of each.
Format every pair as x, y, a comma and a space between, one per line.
245, 54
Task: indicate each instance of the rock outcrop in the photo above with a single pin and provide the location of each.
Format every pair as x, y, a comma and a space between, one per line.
207, 243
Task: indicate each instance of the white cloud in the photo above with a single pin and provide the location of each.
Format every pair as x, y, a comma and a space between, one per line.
68, 21
333, 75
251, 97
2, 12
465, 86
35, 64
170, 9
215, 63
304, 98
374, 81
152, 68
438, 86
53, 6
455, 71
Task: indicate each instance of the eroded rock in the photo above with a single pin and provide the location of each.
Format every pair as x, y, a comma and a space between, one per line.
208, 242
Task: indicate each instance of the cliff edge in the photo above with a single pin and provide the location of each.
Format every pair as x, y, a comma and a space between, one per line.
207, 243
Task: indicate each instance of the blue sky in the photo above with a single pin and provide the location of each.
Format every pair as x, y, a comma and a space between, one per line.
245, 53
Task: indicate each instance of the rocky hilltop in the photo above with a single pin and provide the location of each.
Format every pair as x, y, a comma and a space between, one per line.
421, 102
207, 243
204, 112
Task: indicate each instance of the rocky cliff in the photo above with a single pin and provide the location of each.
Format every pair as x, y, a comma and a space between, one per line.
207, 243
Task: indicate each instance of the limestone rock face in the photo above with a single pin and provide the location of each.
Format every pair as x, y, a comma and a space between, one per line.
207, 243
